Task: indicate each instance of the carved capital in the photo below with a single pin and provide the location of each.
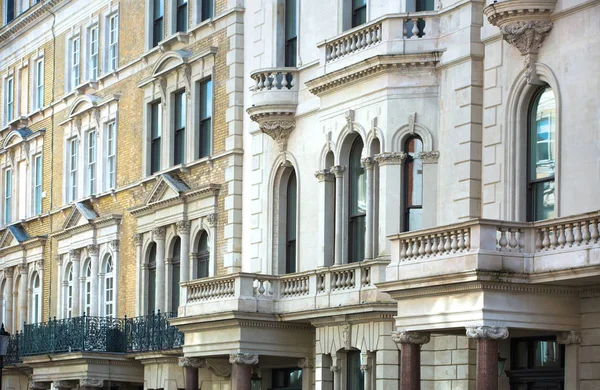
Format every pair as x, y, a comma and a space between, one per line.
191, 362
324, 175
34, 385
59, 259
115, 245
487, 332
368, 163
93, 249
279, 130
410, 338
74, 254
219, 367
138, 238
159, 233
568, 338
347, 336
305, 363
243, 358
338, 170
23, 269
65, 384
334, 368
390, 158
183, 227
87, 382
429, 157
8, 273
212, 219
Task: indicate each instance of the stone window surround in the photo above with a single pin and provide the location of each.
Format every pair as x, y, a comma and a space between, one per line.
11, 74
78, 258
38, 57
10, 158
167, 79
104, 65
84, 48
74, 33
97, 115
194, 228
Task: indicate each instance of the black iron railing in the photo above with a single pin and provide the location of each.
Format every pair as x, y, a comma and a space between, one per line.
95, 334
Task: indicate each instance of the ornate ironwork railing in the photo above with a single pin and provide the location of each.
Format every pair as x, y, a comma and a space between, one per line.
95, 334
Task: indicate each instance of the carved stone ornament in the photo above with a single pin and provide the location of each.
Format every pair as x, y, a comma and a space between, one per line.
138, 238
115, 245
429, 157
568, 338
212, 219
324, 175
193, 362
334, 368
183, 227
65, 384
23, 269
487, 332
35, 385
305, 363
59, 259
219, 367
162, 84
412, 118
243, 358
368, 163
364, 362
74, 254
347, 336
349, 115
279, 130
338, 170
87, 382
93, 249
390, 158
410, 338
159, 233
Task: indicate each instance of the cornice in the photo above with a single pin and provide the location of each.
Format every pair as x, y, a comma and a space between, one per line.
113, 219
370, 67
201, 192
27, 18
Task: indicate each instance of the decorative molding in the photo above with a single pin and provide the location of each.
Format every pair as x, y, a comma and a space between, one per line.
334, 369
349, 115
212, 219
8, 273
65, 384
193, 362
412, 118
183, 227
279, 130
390, 158
138, 238
347, 336
115, 245
368, 163
487, 332
87, 382
568, 338
431, 157
243, 358
528, 37
305, 363
410, 338
159, 233
23, 268
219, 367
36, 385
324, 175
93, 250
338, 170
74, 254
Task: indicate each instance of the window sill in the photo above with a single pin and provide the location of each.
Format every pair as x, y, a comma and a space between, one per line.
181, 168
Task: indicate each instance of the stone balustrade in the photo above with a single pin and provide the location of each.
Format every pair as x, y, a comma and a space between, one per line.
281, 79
285, 294
516, 247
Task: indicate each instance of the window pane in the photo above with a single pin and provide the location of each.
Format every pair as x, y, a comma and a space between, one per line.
203, 256
179, 144
290, 19
359, 12
543, 200
542, 135
205, 130
156, 131
207, 9
355, 377
38, 186
547, 354
425, 5
291, 224
175, 287
182, 15
358, 203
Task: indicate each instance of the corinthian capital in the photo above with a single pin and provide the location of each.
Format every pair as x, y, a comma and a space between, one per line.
159, 233
487, 332
191, 362
138, 238
410, 338
568, 338
338, 170
429, 157
243, 358
183, 227
368, 162
87, 382
74, 254
93, 249
390, 158
324, 175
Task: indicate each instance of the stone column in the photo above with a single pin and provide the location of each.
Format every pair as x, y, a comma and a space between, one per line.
365, 367
487, 354
168, 283
74, 255
571, 340
242, 370
141, 274
23, 268
336, 371
60, 304
307, 370
369, 164
191, 366
338, 171
410, 358
115, 246
183, 230
8, 321
326, 224
159, 296
390, 197
93, 251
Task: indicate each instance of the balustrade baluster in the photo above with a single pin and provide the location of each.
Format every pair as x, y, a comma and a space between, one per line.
461, 240
560, 232
454, 241
284, 82
434, 245
521, 240
513, 238
415, 29
427, 246
585, 230
441, 245
402, 250
353, 45
351, 281
569, 234
594, 231
577, 231
261, 81
467, 239
502, 242
268, 81
368, 36
421, 247
408, 249
553, 238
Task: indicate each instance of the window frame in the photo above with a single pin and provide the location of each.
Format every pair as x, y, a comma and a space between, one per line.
75, 62
36, 293
112, 62
9, 99
175, 274
158, 23
111, 155
181, 15
155, 158
37, 182
205, 123
203, 255
9, 184
10, 13
91, 161
151, 286
93, 71
179, 126
86, 297
206, 10
290, 41
407, 185
73, 169
69, 291
355, 11
356, 220
109, 275
38, 87
291, 225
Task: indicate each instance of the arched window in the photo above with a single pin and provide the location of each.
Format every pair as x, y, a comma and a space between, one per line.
175, 261
69, 294
541, 155
355, 379
413, 184
109, 287
290, 224
151, 278
87, 298
203, 256
35, 299
358, 204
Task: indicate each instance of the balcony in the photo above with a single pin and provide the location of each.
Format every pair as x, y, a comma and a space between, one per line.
274, 101
297, 296
562, 250
95, 334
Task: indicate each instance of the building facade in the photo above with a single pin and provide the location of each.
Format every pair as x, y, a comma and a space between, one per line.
285, 194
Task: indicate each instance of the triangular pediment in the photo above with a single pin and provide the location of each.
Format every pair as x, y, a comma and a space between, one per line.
81, 214
167, 187
6, 239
